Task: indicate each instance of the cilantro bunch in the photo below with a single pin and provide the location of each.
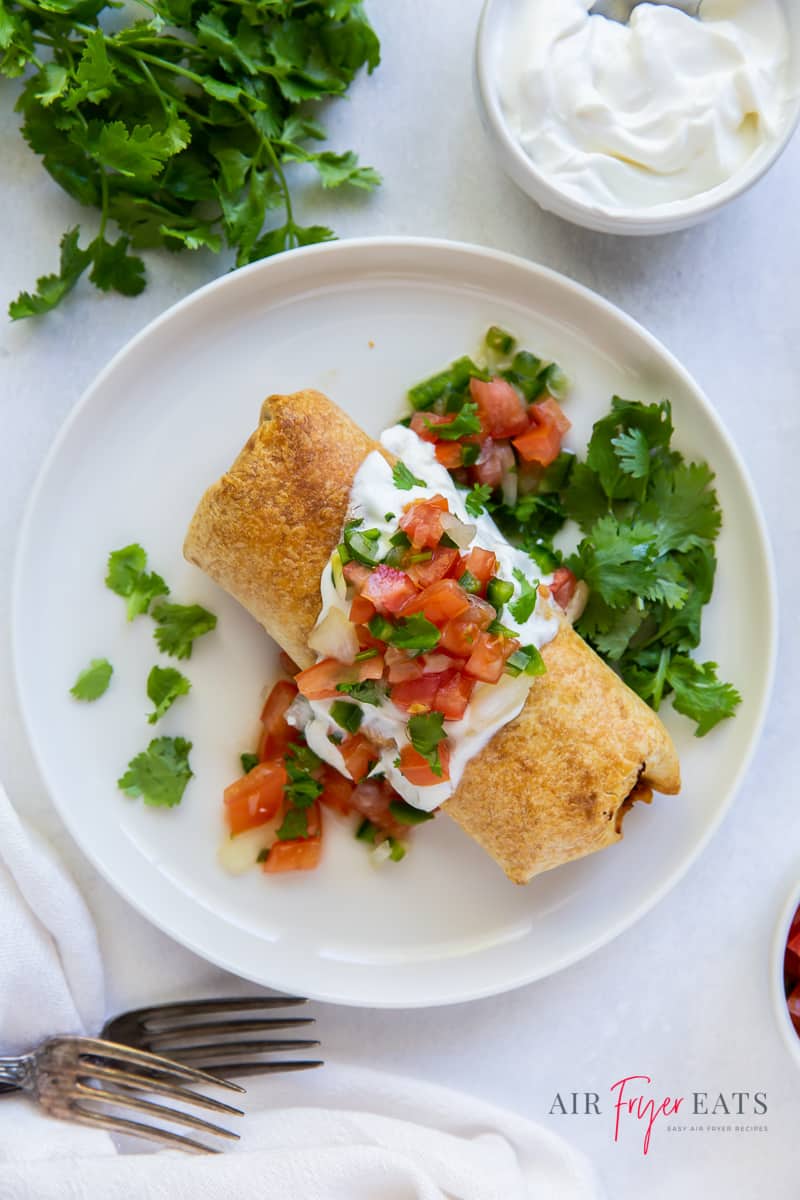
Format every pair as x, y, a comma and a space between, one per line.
178, 126
649, 520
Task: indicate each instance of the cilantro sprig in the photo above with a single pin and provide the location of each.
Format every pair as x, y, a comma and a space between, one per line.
128, 577
404, 479
164, 686
178, 625
300, 790
160, 773
426, 732
179, 125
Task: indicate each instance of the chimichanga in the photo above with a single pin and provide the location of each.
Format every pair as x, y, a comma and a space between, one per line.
550, 786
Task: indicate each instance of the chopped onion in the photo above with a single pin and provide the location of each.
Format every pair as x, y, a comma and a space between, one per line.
461, 533
509, 483
239, 854
435, 663
578, 602
299, 712
335, 637
381, 853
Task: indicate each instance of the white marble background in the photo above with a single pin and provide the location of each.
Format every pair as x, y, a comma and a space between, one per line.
683, 996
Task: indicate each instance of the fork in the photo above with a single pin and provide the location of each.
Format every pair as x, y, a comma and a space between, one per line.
70, 1075
620, 10
170, 1029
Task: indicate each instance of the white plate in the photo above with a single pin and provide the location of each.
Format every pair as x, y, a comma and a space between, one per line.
361, 321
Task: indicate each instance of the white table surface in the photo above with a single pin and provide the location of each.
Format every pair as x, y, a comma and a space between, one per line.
684, 995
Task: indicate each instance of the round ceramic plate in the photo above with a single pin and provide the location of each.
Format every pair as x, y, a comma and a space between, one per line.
361, 321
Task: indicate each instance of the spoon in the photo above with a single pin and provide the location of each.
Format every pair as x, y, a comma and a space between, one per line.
620, 10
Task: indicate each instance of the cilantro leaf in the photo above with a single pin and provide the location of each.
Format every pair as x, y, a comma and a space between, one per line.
653, 421
248, 761
93, 680
294, 825
425, 732
160, 773
128, 578
699, 694
404, 479
139, 152
633, 452
522, 608
618, 561
114, 269
51, 289
683, 507
179, 624
370, 691
414, 633
465, 422
164, 686
476, 499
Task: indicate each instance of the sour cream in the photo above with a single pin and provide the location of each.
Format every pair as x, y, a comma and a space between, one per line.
376, 499
645, 114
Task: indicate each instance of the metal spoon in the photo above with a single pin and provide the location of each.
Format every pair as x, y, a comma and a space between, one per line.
620, 10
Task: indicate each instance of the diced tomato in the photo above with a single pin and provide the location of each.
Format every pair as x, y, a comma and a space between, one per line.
460, 635
499, 406
422, 521
563, 586
440, 602
359, 755
489, 657
337, 790
542, 441
555, 413
361, 610
294, 854
416, 695
400, 667
372, 798
453, 695
256, 797
448, 454
459, 567
481, 563
424, 424
319, 682
494, 461
417, 769
356, 573
287, 664
388, 588
426, 573
276, 733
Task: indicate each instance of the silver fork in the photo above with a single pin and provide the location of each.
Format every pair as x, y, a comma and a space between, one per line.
211, 1044
620, 10
80, 1079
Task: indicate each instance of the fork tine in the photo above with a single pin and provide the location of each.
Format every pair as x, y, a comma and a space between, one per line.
123, 1100
91, 1047
188, 1008
192, 1054
216, 1028
137, 1129
147, 1083
266, 1068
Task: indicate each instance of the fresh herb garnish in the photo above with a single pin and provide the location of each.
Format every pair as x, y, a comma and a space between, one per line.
93, 680
179, 125
465, 422
128, 577
160, 773
361, 545
410, 633
477, 498
248, 761
522, 608
347, 716
406, 814
164, 686
178, 625
369, 691
500, 630
300, 790
404, 479
425, 732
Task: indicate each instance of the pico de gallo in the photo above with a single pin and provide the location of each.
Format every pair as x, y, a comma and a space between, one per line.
791, 971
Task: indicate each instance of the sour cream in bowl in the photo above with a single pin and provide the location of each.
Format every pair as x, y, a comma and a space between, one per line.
641, 128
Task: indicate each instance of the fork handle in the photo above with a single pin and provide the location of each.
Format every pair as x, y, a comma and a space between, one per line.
15, 1072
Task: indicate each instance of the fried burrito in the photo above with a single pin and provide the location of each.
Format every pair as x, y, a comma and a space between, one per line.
551, 785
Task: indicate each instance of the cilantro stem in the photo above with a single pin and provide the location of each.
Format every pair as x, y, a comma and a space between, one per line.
660, 677
104, 200
266, 144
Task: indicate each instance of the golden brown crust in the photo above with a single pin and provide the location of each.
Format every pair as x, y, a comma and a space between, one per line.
266, 529
562, 771
552, 785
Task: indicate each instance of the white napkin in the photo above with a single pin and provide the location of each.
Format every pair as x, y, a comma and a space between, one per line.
337, 1133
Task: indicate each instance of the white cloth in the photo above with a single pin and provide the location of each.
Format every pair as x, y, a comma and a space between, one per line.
337, 1133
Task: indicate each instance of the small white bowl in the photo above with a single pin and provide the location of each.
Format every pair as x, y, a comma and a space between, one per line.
663, 218
790, 1035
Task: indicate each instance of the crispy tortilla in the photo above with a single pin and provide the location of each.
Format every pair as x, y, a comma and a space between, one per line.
552, 785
